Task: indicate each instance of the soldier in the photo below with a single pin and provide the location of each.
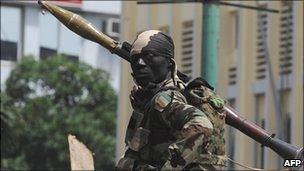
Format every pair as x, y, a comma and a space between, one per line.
164, 131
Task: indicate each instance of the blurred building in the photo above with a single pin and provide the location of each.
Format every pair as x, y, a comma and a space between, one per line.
26, 31
243, 71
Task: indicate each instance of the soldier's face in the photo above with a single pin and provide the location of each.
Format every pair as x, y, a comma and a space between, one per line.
147, 68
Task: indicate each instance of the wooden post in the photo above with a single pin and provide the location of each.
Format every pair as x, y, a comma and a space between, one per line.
81, 157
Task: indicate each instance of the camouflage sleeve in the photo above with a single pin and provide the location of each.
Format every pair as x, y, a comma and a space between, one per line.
193, 129
179, 115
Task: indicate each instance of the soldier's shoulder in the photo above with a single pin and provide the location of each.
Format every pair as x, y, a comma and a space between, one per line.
163, 98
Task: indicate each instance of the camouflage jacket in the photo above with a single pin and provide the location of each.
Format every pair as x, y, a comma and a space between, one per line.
169, 133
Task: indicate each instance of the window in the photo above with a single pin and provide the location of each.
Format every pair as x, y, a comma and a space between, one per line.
49, 27
69, 42
10, 32
235, 27
286, 120
71, 57
115, 27
47, 52
112, 28
232, 71
230, 145
286, 38
262, 148
237, 30
261, 64
57, 38
259, 120
104, 26
187, 48
287, 133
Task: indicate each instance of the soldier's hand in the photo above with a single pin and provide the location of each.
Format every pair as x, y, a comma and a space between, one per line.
138, 99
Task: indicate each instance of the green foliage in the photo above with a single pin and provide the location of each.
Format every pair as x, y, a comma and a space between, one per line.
46, 100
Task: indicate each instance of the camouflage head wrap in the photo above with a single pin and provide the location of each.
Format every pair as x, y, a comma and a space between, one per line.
155, 42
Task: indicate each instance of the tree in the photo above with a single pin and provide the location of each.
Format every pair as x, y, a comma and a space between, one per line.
50, 99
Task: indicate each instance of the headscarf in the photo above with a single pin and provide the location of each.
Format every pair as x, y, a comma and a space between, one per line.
160, 44
155, 42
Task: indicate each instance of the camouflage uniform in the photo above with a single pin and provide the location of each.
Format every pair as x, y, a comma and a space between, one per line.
170, 134
173, 127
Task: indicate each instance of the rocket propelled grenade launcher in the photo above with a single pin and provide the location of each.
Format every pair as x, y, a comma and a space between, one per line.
86, 30
285, 150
